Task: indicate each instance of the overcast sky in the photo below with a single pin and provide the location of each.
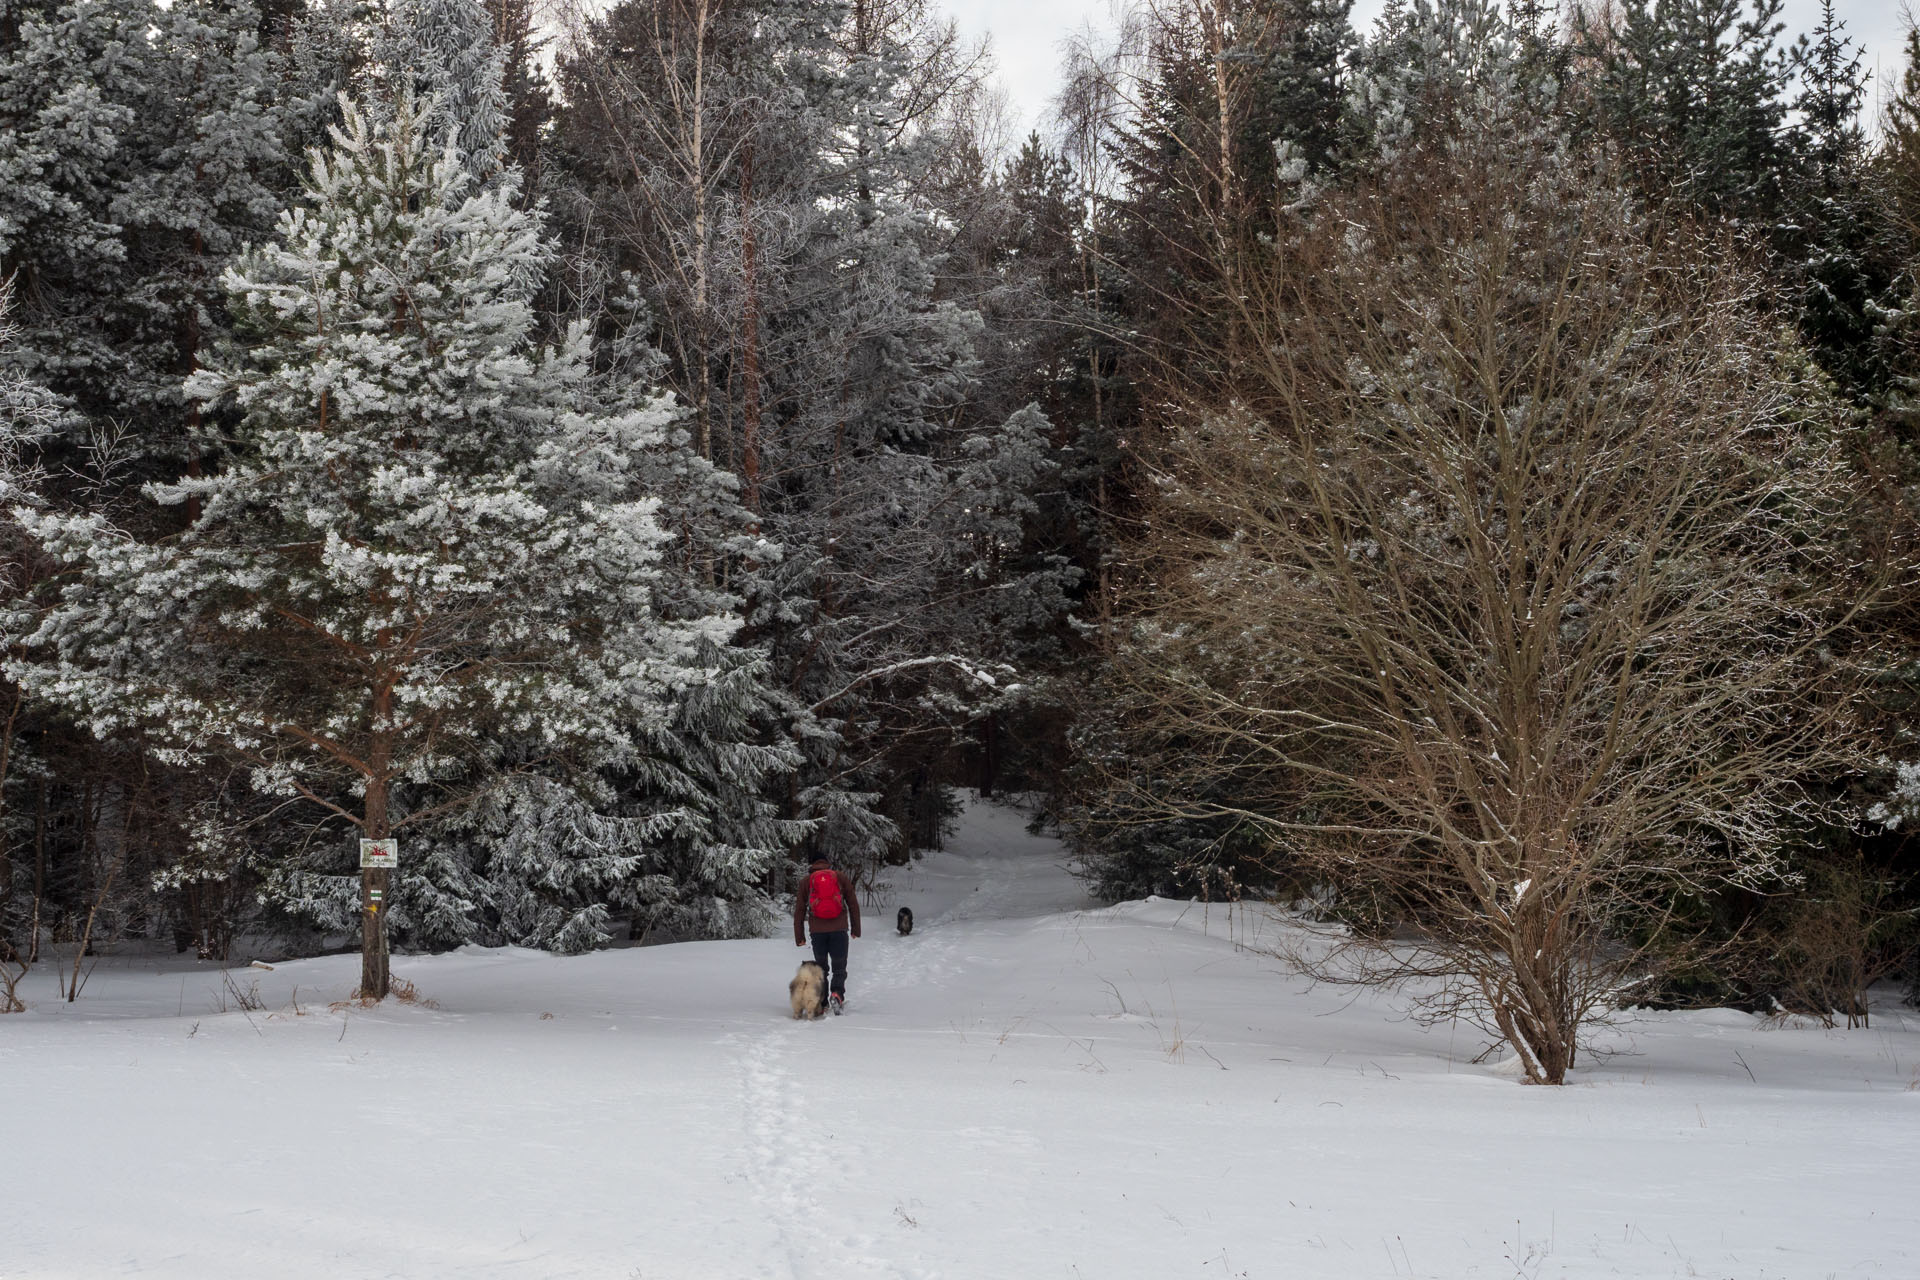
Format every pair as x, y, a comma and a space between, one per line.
1027, 36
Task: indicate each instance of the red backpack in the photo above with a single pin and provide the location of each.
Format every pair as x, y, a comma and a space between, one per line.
823, 895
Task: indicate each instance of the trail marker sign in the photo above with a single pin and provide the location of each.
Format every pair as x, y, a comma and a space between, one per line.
380, 853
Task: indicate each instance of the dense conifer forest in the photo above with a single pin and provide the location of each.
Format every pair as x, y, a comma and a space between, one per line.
1455, 477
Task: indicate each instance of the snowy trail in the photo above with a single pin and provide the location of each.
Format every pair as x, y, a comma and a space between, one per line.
777, 1167
792, 1172
1024, 1087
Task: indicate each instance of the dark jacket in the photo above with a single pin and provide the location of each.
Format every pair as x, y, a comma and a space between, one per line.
804, 919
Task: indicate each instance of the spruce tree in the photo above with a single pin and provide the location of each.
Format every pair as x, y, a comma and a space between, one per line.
444, 51
1292, 124
1832, 89
67, 75
1897, 317
1900, 150
206, 172
528, 94
1696, 90
144, 145
1841, 231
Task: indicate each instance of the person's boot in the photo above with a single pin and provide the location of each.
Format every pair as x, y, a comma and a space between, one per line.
838, 1002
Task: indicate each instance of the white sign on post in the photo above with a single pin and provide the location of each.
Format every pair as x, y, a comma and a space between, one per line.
380, 853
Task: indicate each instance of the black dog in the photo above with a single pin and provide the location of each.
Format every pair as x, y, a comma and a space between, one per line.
904, 921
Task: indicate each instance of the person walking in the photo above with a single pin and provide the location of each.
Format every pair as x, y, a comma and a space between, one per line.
828, 908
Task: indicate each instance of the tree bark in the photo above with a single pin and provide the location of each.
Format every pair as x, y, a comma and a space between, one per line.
697, 170
6, 755
989, 753
375, 977
376, 882
192, 354
39, 873
750, 342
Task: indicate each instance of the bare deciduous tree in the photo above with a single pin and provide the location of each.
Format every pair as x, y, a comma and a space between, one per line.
1496, 583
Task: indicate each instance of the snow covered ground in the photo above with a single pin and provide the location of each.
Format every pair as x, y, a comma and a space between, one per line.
1025, 1087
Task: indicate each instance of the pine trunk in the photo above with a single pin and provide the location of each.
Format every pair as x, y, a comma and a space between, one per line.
750, 341
375, 979
376, 882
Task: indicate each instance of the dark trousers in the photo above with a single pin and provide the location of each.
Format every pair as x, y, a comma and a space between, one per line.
832, 947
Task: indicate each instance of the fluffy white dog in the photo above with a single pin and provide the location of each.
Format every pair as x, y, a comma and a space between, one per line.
807, 993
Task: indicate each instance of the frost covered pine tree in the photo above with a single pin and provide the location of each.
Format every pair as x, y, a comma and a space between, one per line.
421, 550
